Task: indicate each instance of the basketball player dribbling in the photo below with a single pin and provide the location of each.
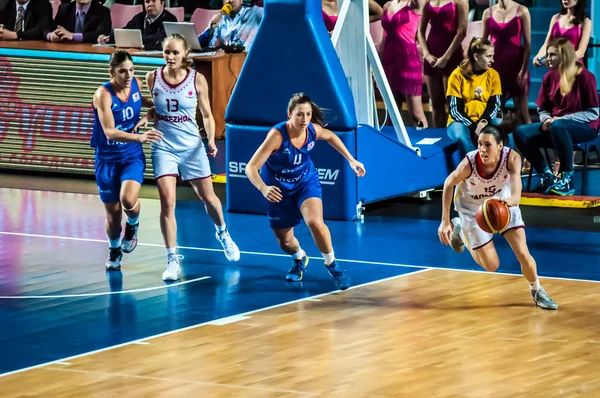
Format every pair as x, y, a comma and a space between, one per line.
493, 170
119, 159
178, 90
281, 169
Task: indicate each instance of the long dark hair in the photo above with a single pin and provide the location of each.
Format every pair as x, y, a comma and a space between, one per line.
578, 12
118, 57
477, 45
317, 113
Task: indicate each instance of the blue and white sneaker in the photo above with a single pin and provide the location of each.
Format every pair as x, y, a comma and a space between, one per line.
173, 269
342, 281
130, 241
297, 271
563, 186
113, 262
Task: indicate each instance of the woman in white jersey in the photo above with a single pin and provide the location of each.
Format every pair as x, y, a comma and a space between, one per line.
178, 90
493, 170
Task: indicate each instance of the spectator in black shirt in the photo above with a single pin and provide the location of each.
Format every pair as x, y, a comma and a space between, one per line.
150, 22
25, 19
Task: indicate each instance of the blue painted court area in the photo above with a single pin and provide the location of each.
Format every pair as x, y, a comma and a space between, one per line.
52, 247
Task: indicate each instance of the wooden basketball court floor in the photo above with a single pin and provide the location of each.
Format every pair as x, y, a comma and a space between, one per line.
419, 321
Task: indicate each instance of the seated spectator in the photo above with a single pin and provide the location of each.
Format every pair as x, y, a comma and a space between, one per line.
25, 19
568, 107
150, 22
474, 95
238, 27
81, 21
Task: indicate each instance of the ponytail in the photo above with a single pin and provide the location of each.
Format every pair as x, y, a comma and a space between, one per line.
477, 45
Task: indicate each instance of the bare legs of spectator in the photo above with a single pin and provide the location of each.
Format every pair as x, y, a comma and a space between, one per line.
436, 86
414, 103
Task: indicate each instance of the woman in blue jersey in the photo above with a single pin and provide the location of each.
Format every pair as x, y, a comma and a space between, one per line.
120, 161
290, 183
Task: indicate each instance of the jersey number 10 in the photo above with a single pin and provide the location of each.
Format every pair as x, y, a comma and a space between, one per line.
127, 113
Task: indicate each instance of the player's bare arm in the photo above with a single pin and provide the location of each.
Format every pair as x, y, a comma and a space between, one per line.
516, 186
333, 140
269, 145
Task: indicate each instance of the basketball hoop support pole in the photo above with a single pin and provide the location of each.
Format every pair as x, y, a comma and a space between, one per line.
352, 40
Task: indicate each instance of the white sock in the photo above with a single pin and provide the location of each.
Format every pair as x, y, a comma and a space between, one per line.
114, 243
220, 228
329, 257
534, 285
133, 221
299, 254
171, 250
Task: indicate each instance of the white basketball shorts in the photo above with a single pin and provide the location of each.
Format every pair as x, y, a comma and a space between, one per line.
191, 164
477, 237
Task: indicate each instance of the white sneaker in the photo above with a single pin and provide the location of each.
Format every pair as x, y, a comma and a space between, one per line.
231, 250
173, 269
456, 242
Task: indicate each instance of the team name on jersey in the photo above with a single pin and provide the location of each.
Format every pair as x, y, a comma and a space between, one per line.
174, 119
489, 192
290, 180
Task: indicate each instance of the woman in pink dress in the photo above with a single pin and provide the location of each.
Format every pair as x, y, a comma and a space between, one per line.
330, 9
400, 55
506, 23
442, 50
572, 24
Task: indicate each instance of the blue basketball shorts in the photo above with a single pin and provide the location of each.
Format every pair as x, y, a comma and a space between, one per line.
110, 176
286, 214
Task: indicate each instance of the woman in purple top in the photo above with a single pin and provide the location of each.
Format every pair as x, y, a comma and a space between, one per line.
442, 50
572, 24
507, 23
569, 109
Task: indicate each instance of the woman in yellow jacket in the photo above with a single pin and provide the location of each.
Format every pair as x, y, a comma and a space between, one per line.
474, 96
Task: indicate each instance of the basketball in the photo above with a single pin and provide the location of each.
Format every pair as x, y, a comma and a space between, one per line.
493, 216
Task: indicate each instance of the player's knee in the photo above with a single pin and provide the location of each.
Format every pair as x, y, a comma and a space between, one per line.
128, 203
167, 206
491, 265
286, 243
315, 224
523, 256
211, 200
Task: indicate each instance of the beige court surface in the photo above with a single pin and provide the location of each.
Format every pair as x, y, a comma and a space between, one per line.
434, 333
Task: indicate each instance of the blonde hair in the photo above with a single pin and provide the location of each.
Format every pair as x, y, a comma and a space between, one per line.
477, 45
187, 63
568, 67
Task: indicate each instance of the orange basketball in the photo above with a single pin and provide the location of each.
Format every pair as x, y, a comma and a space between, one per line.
493, 216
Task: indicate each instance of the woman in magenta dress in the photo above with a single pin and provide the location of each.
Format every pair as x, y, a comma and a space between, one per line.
442, 50
572, 24
330, 9
506, 23
400, 55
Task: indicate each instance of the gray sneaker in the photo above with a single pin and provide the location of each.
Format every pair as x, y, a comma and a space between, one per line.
542, 300
456, 242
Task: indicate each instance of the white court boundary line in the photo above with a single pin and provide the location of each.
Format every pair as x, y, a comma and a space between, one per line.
145, 339
312, 258
145, 289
